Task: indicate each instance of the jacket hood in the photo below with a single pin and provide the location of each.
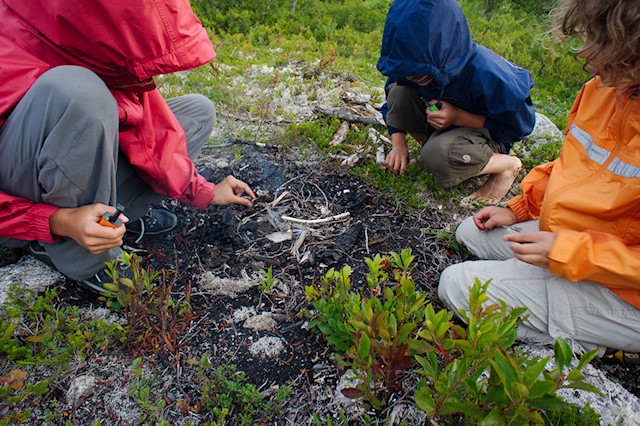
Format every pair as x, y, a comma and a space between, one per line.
425, 37
123, 41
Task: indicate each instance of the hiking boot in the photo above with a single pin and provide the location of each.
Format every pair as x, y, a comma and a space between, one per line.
622, 356
96, 282
37, 250
154, 222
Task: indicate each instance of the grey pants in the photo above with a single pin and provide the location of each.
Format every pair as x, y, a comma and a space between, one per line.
451, 156
584, 312
60, 146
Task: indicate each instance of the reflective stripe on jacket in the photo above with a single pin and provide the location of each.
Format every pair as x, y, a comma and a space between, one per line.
590, 195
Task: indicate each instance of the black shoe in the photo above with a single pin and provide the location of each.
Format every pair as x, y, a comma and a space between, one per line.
95, 283
154, 222
622, 356
37, 250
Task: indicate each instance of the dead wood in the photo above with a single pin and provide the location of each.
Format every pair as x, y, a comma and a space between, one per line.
345, 113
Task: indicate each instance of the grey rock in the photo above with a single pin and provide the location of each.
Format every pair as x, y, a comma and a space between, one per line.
27, 273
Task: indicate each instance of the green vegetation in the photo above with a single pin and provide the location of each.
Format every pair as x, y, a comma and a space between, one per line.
232, 401
352, 29
383, 330
42, 341
35, 332
322, 45
267, 281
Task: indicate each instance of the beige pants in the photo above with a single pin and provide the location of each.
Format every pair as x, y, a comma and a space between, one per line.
583, 312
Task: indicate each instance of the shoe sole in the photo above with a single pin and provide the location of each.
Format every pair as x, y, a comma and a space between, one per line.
41, 255
94, 288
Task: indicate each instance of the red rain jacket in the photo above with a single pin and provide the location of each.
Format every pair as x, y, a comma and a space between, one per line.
125, 42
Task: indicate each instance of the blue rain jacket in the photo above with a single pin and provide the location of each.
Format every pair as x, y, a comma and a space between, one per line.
431, 37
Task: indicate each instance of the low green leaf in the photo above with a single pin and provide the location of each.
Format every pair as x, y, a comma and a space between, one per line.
425, 402
496, 394
495, 417
404, 332
365, 345
420, 346
127, 282
452, 406
34, 339
9, 331
541, 388
587, 358
111, 287
547, 402
575, 375
520, 390
442, 328
583, 386
563, 353
534, 371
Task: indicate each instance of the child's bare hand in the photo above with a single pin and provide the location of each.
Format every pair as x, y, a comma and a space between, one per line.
445, 117
229, 191
397, 159
532, 247
81, 224
494, 217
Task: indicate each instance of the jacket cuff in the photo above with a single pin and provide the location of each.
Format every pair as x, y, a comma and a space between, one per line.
204, 197
516, 204
562, 252
393, 130
39, 214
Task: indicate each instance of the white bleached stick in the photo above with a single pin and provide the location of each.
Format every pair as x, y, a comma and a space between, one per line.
316, 221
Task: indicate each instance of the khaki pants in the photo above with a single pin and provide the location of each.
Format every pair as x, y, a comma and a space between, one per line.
584, 312
452, 155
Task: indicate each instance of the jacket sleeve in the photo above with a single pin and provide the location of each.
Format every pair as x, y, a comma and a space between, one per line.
25, 220
157, 148
597, 257
527, 205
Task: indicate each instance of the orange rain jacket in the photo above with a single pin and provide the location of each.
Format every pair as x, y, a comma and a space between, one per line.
590, 195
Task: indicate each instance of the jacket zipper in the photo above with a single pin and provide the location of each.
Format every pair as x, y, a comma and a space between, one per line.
546, 206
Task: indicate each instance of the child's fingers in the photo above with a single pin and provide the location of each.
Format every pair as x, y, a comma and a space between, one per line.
522, 237
241, 201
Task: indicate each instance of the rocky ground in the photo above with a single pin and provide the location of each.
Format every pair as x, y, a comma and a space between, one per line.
310, 215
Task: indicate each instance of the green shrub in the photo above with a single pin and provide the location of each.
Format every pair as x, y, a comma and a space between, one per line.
38, 342
224, 393
381, 330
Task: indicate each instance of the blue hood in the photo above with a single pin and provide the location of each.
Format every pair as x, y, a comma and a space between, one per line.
425, 37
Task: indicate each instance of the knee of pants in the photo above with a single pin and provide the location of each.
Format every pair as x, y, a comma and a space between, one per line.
435, 157
205, 110
451, 290
197, 116
466, 231
79, 90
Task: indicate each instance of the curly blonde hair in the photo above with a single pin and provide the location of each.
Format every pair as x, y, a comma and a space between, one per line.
611, 33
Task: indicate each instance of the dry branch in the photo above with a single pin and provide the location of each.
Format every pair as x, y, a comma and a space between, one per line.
352, 97
340, 135
344, 114
376, 137
316, 221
